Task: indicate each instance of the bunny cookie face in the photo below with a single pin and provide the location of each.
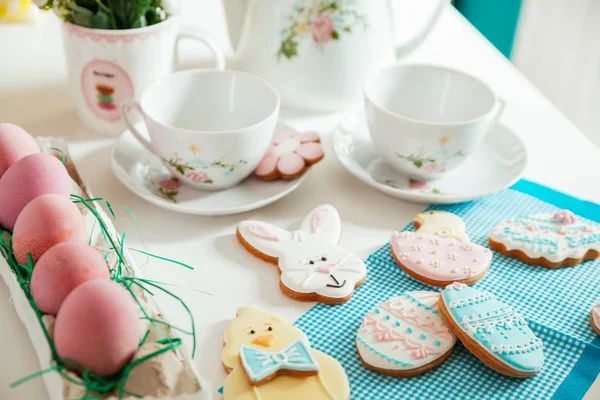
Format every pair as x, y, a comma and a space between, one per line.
268, 358
313, 267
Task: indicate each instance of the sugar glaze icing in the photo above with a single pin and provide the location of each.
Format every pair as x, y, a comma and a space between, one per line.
496, 326
404, 332
555, 237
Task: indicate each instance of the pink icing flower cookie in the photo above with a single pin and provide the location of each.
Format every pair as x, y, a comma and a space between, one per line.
438, 261
289, 155
595, 318
550, 240
405, 336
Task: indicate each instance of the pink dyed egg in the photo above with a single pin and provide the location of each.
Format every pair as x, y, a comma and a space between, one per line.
28, 178
15, 143
98, 327
61, 269
46, 221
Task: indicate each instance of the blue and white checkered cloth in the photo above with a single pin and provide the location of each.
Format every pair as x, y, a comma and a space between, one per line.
556, 303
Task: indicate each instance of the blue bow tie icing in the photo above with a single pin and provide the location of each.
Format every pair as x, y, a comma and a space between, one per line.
259, 364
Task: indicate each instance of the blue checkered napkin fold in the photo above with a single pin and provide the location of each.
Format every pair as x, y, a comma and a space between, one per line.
556, 304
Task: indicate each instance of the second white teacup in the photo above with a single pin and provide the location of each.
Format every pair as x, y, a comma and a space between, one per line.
209, 127
425, 120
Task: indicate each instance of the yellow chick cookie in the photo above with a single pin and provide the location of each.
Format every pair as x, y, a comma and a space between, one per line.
268, 358
441, 223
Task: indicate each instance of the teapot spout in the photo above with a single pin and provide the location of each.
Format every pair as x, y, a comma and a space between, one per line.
235, 13
409, 46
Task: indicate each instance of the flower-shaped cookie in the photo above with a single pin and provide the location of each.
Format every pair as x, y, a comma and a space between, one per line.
289, 155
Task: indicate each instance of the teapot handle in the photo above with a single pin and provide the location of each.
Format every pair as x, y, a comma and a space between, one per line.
409, 46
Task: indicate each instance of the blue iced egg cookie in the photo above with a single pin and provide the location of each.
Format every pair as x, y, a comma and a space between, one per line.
493, 331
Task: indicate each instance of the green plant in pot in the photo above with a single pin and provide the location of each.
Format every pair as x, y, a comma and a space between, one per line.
112, 14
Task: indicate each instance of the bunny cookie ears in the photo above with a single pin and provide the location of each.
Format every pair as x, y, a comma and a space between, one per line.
312, 267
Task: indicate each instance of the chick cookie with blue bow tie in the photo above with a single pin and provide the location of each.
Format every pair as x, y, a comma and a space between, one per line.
268, 358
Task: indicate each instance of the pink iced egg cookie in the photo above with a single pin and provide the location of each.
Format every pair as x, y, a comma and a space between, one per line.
439, 261
289, 155
61, 269
405, 336
15, 143
46, 221
97, 326
28, 178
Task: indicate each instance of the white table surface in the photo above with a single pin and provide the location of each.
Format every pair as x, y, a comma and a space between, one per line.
34, 94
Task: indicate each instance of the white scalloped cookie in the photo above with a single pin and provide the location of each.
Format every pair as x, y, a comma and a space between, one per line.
405, 336
550, 240
595, 318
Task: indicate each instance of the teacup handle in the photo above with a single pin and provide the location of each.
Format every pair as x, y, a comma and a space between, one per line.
499, 113
188, 32
126, 106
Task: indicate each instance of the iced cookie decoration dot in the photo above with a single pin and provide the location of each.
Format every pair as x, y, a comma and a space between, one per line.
595, 318
405, 336
312, 266
439, 252
268, 358
551, 240
492, 330
290, 155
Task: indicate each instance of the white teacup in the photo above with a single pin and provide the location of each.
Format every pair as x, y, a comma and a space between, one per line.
426, 120
210, 127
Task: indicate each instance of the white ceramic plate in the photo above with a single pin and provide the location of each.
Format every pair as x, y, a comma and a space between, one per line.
145, 175
497, 164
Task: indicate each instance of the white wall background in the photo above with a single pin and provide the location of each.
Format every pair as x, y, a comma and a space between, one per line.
558, 49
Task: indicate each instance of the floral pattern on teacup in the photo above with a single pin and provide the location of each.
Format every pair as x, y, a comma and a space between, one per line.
433, 162
193, 168
324, 21
413, 185
164, 186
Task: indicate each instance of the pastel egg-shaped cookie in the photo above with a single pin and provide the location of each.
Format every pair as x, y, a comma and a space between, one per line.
492, 330
439, 261
405, 336
595, 318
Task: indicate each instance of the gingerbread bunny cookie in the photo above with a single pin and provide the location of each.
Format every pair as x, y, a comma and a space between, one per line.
268, 358
312, 266
439, 252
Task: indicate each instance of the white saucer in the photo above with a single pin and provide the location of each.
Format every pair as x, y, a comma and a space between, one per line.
139, 170
498, 163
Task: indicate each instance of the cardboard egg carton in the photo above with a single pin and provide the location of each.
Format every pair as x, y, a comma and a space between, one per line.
171, 375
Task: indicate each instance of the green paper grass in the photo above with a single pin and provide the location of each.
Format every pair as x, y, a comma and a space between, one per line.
121, 274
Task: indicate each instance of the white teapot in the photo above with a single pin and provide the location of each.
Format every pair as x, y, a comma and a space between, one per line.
317, 53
